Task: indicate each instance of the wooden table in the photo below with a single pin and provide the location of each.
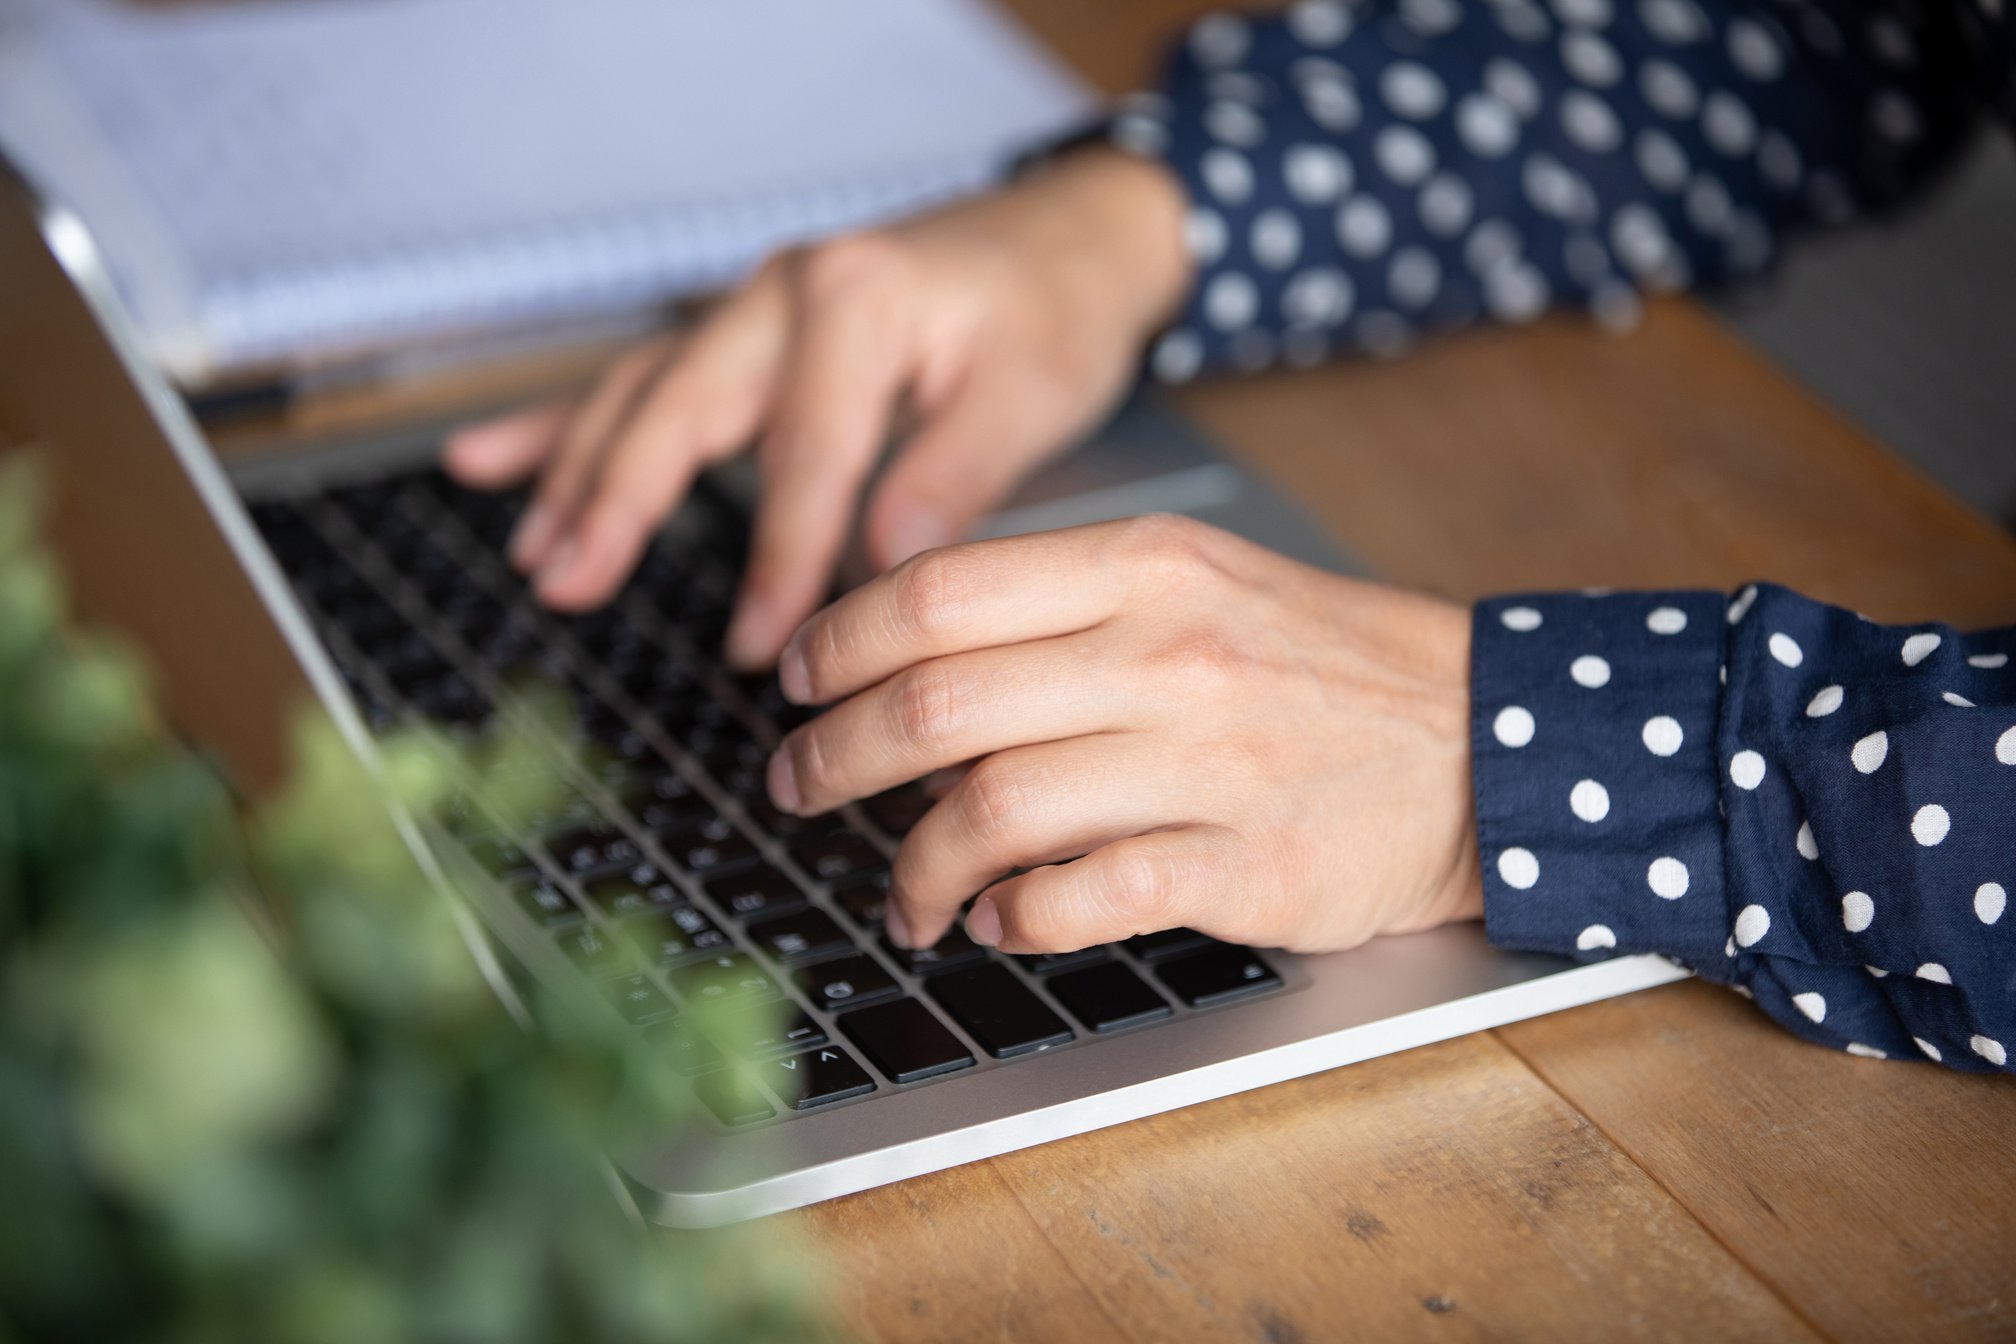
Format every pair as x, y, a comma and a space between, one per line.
1667, 1165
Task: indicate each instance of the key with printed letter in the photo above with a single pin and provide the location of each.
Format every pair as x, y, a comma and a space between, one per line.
817, 1078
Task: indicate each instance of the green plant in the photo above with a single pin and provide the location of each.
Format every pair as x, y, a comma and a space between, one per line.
252, 1086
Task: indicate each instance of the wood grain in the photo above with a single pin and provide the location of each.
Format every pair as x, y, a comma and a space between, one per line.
1445, 1193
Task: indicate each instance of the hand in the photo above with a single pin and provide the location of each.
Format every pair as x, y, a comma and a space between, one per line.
1001, 328
1166, 725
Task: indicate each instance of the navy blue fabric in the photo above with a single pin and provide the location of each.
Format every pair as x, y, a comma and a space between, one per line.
1362, 174
1832, 831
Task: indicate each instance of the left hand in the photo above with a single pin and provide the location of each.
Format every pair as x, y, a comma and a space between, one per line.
1166, 726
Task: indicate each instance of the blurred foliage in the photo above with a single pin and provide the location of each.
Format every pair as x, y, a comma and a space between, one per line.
252, 1084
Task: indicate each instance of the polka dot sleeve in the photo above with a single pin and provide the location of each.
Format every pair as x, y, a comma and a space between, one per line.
1360, 174
1814, 809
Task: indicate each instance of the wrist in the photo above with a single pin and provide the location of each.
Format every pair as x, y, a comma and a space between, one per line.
1117, 222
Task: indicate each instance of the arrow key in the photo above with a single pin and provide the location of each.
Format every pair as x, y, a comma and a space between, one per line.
817, 1077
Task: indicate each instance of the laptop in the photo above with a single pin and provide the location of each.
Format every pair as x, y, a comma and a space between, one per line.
358, 576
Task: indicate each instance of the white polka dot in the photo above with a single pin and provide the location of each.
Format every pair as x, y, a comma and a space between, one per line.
2005, 747
1890, 42
1876, 973
1669, 89
1331, 102
1234, 123
1589, 122
1316, 174
1752, 923
1318, 297
1918, 648
1778, 157
1988, 661
1934, 972
1661, 160
1227, 175
1596, 936
1673, 21
1412, 90
1824, 702
1220, 39
1521, 619
1556, 189
1590, 671
1741, 606
1518, 868
1666, 621
1413, 278
1868, 754
1990, 900
1513, 85
1446, 204
1746, 770
1930, 824
1786, 649
1639, 238
1231, 301
1668, 878
1729, 950
1589, 800
1404, 154
1430, 18
1709, 207
1990, 1050
1728, 123
1591, 59
1513, 726
1486, 125
1363, 227
1662, 735
1808, 847
1515, 292
1865, 1051
1141, 135
1178, 356
1319, 23
1615, 306
1811, 1004
1241, 86
1956, 700
1754, 51
1204, 235
1276, 239
1586, 13
1857, 910
1385, 335
1931, 1050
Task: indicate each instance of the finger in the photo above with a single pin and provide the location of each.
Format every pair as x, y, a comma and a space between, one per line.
1020, 808
979, 595
844, 374
572, 461
1187, 877
504, 451
959, 465
938, 713
711, 399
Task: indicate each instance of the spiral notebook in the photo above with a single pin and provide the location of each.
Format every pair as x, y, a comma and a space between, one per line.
293, 182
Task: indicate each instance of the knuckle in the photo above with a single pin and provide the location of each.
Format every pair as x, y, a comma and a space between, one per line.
994, 800
929, 706
1139, 886
1201, 664
846, 265
932, 592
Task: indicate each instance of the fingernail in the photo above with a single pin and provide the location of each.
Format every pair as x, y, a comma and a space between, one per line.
983, 922
897, 927
783, 781
792, 676
913, 530
532, 536
743, 645
558, 565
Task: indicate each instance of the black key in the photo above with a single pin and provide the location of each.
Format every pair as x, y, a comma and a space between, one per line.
729, 977
501, 858
998, 1010
789, 826
546, 903
899, 809
904, 1041
834, 858
756, 893
733, 1099
663, 801
688, 1053
798, 938
709, 846
771, 1032
677, 934
813, 1079
1166, 943
639, 1000
1108, 997
953, 950
594, 952
865, 899
1049, 963
847, 983
594, 848
1216, 975
641, 889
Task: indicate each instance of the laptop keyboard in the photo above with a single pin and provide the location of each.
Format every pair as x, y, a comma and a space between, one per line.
664, 873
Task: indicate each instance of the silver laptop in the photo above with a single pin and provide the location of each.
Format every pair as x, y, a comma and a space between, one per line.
359, 576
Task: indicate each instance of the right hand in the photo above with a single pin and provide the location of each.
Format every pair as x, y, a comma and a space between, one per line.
997, 329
